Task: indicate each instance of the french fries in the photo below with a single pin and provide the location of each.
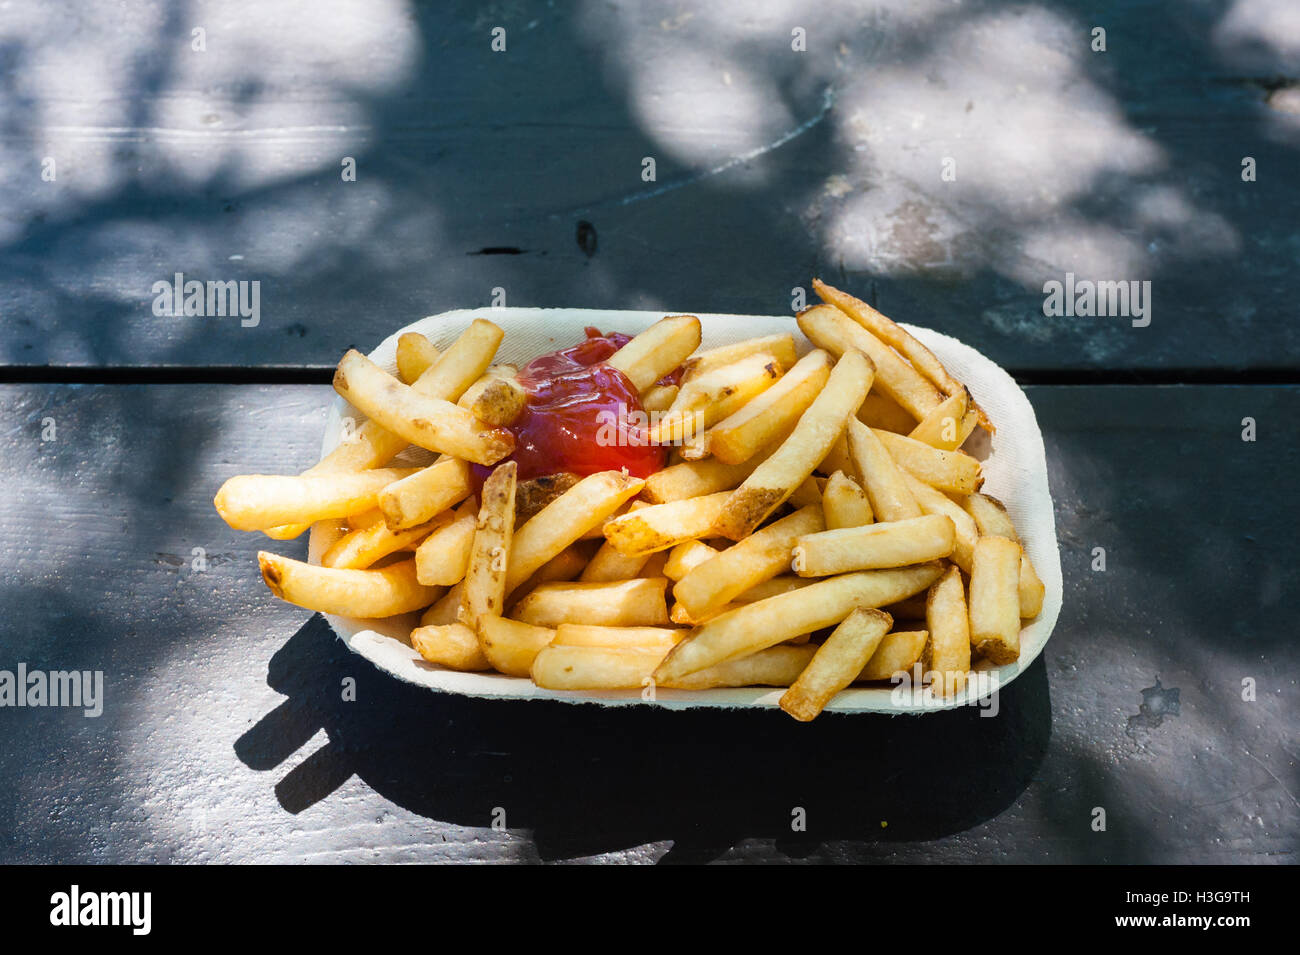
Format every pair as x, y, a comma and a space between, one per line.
947, 619
710, 585
635, 638
803, 497
415, 355
766, 623
995, 599
791, 464
887, 491
638, 602
453, 645
873, 546
443, 556
421, 496
430, 423
485, 577
829, 328
781, 347
952, 471
896, 654
895, 335
836, 663
740, 436
990, 516
251, 502
510, 646
658, 350
360, 548
565, 519
385, 592
844, 503
949, 425
661, 526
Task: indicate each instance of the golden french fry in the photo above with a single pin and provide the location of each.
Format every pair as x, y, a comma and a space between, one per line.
896, 654
661, 639
995, 599
443, 557
360, 548
709, 586
415, 355
746, 378
895, 335
886, 488
880, 411
485, 577
807, 494
425, 494
610, 564
370, 518
251, 502
492, 374
990, 516
677, 482
949, 646
933, 501
511, 646
775, 666
453, 645
837, 663
844, 503
829, 328
658, 397
686, 555
372, 446
838, 458
654, 567
781, 347
658, 350
661, 526
783, 584
763, 624
447, 608
793, 462
742, 434
638, 602
594, 668
566, 519
351, 593
953, 471
427, 422
500, 402
949, 425
873, 546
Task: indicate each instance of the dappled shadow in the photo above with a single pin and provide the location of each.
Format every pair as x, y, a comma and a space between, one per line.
771, 164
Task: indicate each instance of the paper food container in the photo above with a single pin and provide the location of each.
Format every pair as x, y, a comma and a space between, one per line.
1015, 471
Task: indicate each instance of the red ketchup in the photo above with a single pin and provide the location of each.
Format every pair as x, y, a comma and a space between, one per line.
582, 415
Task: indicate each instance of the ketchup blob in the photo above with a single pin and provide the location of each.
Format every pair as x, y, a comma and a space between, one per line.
582, 416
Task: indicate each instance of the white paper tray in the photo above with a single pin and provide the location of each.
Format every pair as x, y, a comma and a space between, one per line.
1015, 471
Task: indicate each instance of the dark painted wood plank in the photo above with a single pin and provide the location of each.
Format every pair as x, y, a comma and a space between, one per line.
225, 737
772, 166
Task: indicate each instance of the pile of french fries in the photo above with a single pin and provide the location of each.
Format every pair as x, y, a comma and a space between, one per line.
818, 524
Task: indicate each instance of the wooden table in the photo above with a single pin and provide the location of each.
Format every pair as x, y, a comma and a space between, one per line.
225, 735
